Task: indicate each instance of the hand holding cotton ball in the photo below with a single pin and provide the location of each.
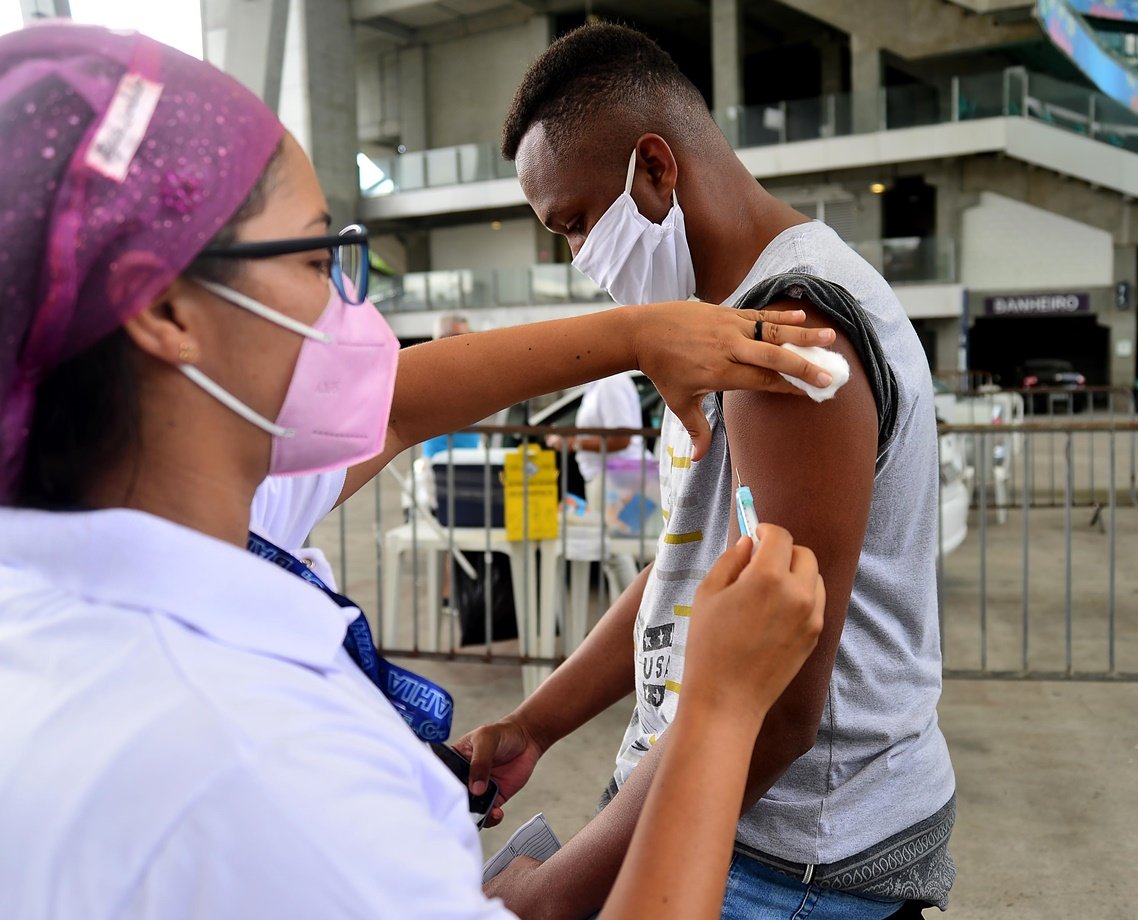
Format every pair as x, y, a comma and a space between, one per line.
831, 361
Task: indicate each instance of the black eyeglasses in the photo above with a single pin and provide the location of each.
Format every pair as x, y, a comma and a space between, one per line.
348, 250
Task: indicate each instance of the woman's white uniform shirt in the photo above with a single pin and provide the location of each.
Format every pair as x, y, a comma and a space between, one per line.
286, 509
184, 736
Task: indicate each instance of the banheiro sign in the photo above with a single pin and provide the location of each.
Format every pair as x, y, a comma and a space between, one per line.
1037, 304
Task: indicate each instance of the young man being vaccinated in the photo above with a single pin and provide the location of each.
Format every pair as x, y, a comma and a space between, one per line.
851, 795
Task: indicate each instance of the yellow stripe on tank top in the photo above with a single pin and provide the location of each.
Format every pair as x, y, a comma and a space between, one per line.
682, 463
677, 539
680, 610
672, 685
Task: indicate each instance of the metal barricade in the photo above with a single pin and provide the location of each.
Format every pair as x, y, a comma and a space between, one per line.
1000, 470
404, 553
1036, 590
1035, 587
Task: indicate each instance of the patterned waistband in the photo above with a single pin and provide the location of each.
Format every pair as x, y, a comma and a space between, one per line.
607, 795
913, 865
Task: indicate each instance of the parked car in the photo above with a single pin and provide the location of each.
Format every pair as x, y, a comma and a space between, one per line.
956, 474
1054, 373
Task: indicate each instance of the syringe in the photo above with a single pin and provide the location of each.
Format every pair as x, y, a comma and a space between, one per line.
745, 508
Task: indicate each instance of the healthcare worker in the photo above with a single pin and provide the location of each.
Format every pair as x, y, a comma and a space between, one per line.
190, 731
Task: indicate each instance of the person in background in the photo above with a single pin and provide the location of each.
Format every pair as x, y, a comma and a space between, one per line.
448, 324
613, 402
196, 730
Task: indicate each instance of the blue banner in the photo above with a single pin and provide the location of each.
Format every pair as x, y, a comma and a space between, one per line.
426, 707
1064, 24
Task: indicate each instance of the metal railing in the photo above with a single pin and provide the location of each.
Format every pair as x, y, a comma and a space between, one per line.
1037, 591
910, 259
967, 381
1044, 595
440, 166
465, 289
1013, 92
402, 552
1004, 415
901, 260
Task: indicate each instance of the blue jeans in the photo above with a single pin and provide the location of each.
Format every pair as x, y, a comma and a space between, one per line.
755, 892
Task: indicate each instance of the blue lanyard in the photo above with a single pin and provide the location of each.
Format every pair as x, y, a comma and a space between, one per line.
425, 706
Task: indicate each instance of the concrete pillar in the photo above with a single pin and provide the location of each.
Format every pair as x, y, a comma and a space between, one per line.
1123, 324
35, 10
950, 203
331, 81
865, 84
417, 249
255, 45
726, 53
293, 111
947, 354
414, 133
867, 221
830, 60
215, 22
299, 57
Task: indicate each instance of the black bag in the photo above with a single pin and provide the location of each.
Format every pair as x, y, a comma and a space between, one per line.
470, 599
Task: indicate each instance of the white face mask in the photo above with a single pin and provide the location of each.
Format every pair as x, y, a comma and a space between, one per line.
635, 260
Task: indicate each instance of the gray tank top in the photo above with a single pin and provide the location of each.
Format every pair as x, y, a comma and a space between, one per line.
880, 765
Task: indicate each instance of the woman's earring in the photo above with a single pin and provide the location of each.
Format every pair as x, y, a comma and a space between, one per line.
186, 353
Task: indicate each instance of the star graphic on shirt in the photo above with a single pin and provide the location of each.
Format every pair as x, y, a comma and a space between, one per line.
658, 637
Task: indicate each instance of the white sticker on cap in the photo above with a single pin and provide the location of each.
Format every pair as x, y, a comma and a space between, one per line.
124, 126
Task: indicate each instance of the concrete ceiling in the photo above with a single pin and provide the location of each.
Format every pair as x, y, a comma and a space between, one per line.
915, 29
912, 29
769, 24
438, 20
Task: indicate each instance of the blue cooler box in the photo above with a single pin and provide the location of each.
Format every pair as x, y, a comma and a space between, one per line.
470, 486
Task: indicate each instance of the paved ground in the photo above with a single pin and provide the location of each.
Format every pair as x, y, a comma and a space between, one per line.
1047, 772
1047, 778
995, 601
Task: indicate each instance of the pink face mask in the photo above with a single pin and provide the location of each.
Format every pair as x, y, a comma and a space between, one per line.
338, 401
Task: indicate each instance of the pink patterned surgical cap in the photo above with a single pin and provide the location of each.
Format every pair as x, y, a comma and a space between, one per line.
120, 159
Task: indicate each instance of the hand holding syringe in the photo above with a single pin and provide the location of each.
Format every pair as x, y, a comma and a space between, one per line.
745, 508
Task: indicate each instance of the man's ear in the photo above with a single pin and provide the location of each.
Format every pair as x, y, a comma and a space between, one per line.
656, 174
164, 328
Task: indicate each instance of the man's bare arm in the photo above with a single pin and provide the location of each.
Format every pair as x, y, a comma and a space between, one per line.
811, 467
596, 675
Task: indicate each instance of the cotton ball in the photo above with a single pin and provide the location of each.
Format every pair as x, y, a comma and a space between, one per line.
828, 360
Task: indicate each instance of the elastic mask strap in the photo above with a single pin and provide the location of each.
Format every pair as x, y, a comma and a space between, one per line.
273, 316
631, 172
230, 401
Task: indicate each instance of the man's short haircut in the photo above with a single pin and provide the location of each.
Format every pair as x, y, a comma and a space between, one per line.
600, 71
